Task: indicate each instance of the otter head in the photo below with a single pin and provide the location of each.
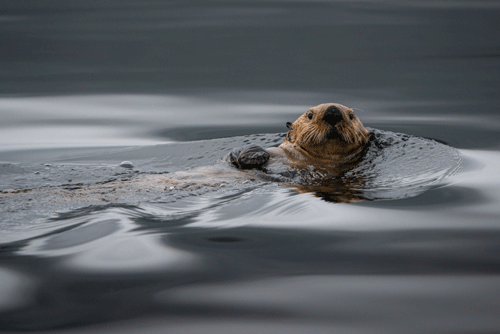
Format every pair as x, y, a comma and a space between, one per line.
327, 131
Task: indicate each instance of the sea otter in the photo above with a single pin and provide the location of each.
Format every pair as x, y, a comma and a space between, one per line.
319, 147
327, 134
327, 152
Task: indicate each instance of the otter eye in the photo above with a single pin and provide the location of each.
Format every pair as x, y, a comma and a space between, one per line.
351, 116
310, 115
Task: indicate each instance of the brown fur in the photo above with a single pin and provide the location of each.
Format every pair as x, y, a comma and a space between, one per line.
308, 138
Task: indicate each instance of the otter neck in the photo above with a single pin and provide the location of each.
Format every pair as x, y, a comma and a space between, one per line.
299, 152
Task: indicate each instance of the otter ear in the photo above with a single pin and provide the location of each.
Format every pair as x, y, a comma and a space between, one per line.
289, 133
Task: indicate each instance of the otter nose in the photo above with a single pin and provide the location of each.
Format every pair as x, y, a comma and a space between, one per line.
332, 116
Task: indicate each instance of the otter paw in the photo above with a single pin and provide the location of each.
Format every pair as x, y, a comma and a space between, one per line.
249, 157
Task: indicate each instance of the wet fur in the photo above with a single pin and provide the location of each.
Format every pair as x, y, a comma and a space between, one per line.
315, 139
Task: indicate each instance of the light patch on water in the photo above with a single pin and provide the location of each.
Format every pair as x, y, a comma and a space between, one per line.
484, 121
485, 179
104, 120
68, 136
16, 289
132, 255
145, 109
135, 119
108, 244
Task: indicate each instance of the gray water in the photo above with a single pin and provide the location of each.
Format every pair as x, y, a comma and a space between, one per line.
171, 86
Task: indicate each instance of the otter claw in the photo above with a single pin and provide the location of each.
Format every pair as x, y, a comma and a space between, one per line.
249, 157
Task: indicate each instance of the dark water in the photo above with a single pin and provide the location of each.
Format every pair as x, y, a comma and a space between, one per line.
175, 85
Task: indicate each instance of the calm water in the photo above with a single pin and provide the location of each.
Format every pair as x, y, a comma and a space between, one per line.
176, 85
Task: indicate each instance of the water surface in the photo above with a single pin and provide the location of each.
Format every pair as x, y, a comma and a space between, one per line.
172, 86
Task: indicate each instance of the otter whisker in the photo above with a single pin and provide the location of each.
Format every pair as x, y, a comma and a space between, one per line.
327, 133
313, 135
351, 134
357, 138
345, 132
318, 137
307, 135
364, 138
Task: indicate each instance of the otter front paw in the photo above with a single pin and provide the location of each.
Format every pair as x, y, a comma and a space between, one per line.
249, 157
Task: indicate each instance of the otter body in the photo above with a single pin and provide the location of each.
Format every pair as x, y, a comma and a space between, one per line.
327, 151
321, 145
327, 135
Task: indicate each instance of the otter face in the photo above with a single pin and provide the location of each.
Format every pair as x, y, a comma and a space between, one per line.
327, 131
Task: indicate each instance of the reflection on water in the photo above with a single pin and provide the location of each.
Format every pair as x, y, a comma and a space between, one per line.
259, 256
124, 119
